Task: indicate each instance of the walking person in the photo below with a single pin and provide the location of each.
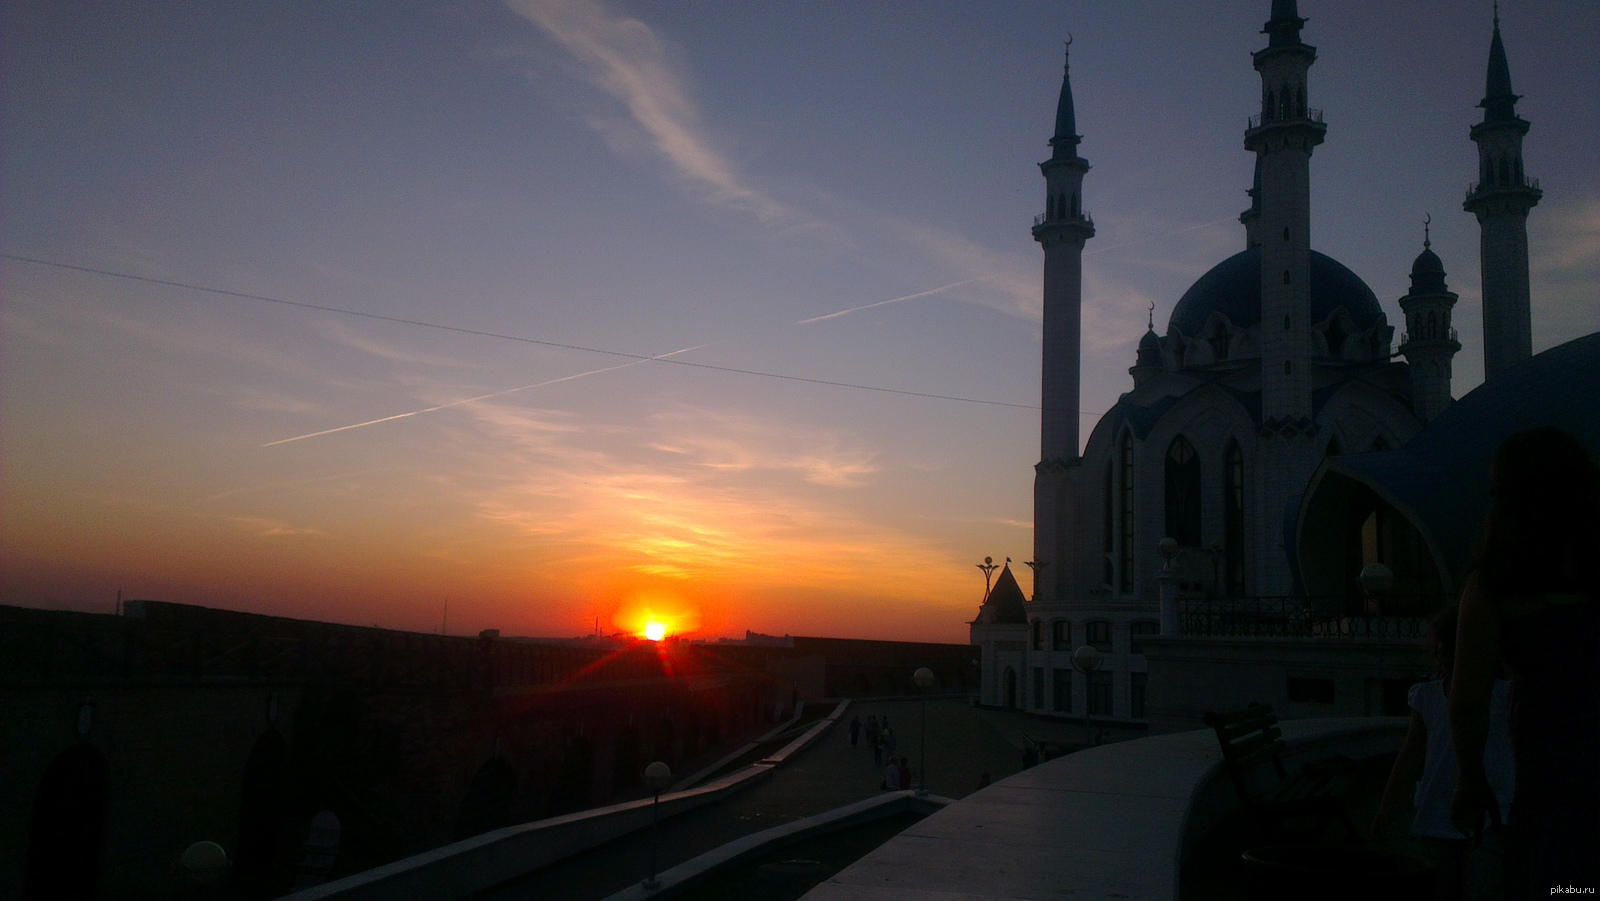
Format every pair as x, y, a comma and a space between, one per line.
889, 741
877, 749
855, 730
904, 765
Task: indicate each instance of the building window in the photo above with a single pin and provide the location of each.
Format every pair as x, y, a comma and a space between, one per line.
1038, 635
1144, 628
1302, 690
1233, 519
1061, 635
1183, 492
1136, 684
1038, 687
1098, 634
1107, 532
1125, 577
1099, 686
1061, 690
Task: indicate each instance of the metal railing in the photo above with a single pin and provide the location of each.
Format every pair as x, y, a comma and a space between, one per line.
1524, 182
1303, 617
1044, 219
1314, 115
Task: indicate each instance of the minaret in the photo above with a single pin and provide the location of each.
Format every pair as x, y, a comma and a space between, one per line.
1501, 200
1430, 342
1282, 139
1061, 231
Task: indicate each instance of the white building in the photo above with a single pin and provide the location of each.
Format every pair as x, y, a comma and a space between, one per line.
1273, 363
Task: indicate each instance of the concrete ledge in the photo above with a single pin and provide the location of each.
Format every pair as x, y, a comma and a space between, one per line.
472, 865
1112, 821
465, 868
692, 872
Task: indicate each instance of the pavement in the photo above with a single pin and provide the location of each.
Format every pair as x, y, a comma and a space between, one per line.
963, 743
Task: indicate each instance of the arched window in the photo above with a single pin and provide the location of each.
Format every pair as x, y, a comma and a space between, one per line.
1183, 492
1233, 518
1075, 206
1038, 635
1125, 577
1268, 104
1300, 102
1107, 540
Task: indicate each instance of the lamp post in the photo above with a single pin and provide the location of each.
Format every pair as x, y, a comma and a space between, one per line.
988, 566
1086, 659
659, 777
1376, 580
924, 679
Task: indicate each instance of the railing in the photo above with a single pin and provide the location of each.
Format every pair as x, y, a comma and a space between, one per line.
1524, 182
1044, 219
1302, 617
1405, 337
1313, 115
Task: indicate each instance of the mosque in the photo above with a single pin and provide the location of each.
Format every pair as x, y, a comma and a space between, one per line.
1209, 540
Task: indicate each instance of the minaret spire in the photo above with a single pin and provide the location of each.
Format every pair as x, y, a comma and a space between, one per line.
1501, 200
1066, 137
1061, 231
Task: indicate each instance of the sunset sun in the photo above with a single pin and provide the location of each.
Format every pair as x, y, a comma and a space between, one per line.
655, 630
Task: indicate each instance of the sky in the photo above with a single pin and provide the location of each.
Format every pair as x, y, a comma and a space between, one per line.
538, 314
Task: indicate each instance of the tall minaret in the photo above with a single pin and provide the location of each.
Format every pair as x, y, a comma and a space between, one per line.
1062, 231
1282, 139
1430, 342
1501, 200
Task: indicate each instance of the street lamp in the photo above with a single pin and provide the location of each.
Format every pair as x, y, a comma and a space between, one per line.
659, 777
988, 566
1376, 580
1086, 659
924, 679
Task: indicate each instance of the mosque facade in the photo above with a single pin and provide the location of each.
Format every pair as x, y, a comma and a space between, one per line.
1190, 500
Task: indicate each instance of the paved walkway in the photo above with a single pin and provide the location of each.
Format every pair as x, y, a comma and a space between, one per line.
962, 744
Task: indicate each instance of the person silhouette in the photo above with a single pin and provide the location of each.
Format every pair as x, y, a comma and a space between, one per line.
1533, 605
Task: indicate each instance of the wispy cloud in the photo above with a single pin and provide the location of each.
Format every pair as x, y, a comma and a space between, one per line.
692, 493
623, 57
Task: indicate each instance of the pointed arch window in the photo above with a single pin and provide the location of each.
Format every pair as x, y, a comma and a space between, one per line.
1125, 567
1233, 519
1108, 534
1183, 492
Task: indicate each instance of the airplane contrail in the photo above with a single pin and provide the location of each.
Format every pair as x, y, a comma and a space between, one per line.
880, 303
579, 375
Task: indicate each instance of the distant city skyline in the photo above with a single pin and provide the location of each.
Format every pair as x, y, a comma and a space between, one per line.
454, 253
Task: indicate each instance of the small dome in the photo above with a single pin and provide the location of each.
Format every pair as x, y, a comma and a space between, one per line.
1233, 288
1150, 341
1427, 274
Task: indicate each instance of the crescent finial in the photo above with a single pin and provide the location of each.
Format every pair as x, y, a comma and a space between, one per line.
1150, 323
1427, 220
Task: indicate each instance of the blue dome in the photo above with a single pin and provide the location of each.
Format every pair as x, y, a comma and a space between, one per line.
1233, 288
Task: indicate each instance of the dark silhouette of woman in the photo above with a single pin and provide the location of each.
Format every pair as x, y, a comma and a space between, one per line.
1534, 606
